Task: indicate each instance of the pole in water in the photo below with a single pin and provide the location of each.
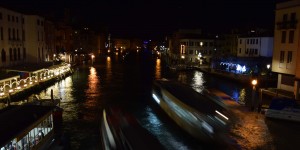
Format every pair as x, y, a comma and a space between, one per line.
51, 94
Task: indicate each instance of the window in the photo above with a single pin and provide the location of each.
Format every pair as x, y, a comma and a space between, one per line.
285, 16
247, 41
10, 54
293, 16
0, 16
191, 52
14, 34
13, 18
38, 22
281, 57
19, 54
17, 19
1, 33
24, 53
9, 33
22, 20
291, 36
247, 51
3, 55
289, 57
191, 43
8, 17
39, 54
256, 41
256, 51
18, 34
240, 51
283, 36
23, 35
240, 41
15, 54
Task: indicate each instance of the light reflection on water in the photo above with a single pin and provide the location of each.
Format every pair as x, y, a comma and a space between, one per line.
83, 94
153, 124
158, 69
198, 82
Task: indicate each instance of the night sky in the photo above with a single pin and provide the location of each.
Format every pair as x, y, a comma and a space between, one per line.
150, 18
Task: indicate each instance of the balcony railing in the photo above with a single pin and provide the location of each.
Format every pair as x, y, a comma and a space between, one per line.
287, 25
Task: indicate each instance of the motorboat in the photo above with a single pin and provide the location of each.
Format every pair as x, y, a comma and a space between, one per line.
202, 115
284, 108
120, 130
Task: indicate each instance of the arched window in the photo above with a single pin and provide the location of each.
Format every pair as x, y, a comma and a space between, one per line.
3, 55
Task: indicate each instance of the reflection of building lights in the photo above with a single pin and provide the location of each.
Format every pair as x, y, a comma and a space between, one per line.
1, 94
11, 90
25, 85
182, 57
268, 66
30, 82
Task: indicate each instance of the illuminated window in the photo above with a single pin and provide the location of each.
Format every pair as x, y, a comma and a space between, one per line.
281, 57
289, 57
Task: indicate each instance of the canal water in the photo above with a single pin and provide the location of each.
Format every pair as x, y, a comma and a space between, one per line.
118, 81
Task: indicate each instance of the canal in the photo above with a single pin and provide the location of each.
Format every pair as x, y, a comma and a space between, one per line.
111, 81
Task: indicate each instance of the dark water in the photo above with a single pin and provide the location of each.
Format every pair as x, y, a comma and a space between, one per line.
113, 81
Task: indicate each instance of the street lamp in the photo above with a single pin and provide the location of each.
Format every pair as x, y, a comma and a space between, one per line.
254, 83
93, 59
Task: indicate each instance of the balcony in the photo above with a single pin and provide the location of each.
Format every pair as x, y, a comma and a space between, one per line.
287, 25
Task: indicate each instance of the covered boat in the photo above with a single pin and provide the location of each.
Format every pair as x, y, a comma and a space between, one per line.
284, 108
202, 115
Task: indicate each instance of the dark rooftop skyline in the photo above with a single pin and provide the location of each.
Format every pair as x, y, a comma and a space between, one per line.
152, 18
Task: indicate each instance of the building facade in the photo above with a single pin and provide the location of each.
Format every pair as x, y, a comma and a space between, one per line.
255, 47
13, 50
35, 39
286, 56
191, 46
22, 38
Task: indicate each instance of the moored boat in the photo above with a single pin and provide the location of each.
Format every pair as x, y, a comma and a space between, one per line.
284, 108
26, 127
